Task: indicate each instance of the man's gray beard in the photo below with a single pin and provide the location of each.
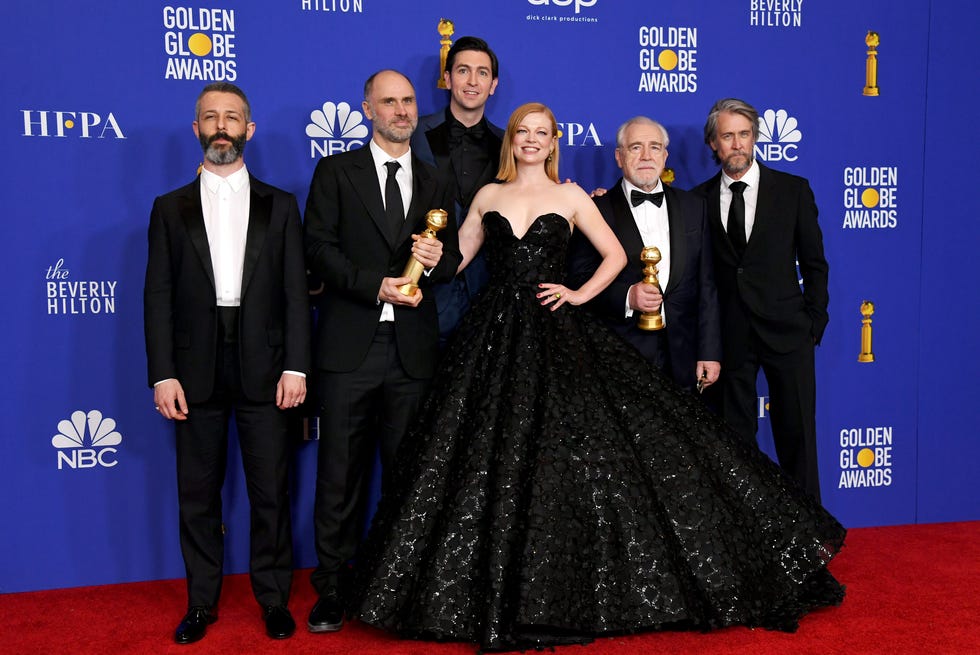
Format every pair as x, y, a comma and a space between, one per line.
223, 156
740, 169
219, 157
395, 136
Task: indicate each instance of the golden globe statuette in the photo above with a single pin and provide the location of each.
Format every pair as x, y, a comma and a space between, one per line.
446, 29
867, 309
435, 219
651, 257
668, 176
871, 66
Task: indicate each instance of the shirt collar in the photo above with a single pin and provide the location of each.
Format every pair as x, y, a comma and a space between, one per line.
381, 157
236, 180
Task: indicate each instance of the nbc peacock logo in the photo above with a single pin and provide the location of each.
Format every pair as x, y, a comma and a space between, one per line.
87, 440
335, 127
779, 134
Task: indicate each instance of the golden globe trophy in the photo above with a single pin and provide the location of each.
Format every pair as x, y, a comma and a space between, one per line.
435, 219
871, 66
651, 257
668, 176
867, 309
446, 29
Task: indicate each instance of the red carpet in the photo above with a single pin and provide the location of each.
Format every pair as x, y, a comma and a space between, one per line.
910, 590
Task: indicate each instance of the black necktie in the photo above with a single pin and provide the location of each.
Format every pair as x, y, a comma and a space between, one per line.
638, 197
394, 209
736, 217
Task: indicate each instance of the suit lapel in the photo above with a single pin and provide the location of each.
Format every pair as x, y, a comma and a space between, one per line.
193, 216
364, 179
626, 227
765, 205
259, 214
493, 159
714, 217
422, 191
678, 238
438, 140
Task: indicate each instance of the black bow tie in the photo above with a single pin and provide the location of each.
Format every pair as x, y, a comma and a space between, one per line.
638, 197
457, 131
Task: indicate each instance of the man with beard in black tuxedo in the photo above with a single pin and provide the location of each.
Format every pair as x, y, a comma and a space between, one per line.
227, 325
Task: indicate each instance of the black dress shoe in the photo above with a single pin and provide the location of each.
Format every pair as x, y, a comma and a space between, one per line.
194, 624
279, 622
327, 615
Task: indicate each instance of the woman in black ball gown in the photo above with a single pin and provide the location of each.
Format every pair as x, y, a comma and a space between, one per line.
556, 487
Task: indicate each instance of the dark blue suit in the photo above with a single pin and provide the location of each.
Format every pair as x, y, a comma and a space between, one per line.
430, 143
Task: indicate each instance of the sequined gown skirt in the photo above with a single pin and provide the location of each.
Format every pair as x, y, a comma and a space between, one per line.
556, 487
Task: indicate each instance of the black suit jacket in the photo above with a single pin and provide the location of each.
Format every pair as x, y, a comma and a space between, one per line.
690, 299
179, 308
349, 248
761, 291
430, 143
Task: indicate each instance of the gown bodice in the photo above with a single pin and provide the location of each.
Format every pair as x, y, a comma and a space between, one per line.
537, 256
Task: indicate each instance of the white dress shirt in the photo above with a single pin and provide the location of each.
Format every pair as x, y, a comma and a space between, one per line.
750, 194
655, 231
404, 178
225, 201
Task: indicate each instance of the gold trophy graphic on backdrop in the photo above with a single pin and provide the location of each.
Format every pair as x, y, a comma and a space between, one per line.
871, 66
435, 219
867, 309
651, 257
446, 29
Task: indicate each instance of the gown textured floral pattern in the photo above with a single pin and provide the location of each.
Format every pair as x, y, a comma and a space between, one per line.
556, 488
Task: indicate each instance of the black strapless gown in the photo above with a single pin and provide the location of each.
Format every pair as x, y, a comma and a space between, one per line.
556, 488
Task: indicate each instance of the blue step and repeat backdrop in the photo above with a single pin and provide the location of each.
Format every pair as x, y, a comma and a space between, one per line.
97, 102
